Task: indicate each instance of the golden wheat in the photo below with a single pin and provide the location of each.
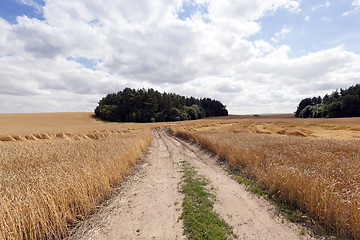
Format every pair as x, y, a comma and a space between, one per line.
320, 176
50, 181
55, 169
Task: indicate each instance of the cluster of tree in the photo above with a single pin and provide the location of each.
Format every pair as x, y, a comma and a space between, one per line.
343, 103
143, 105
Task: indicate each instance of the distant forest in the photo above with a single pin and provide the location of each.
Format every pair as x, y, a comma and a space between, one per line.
343, 103
143, 105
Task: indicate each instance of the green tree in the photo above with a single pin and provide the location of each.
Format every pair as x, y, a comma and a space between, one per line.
351, 105
148, 105
334, 110
345, 103
306, 112
192, 113
303, 104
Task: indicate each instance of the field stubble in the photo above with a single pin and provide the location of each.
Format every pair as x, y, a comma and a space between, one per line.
321, 176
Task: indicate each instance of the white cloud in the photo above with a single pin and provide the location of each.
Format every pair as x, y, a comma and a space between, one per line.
7, 45
36, 76
307, 18
326, 66
263, 47
323, 5
31, 3
280, 35
356, 3
38, 38
143, 44
356, 8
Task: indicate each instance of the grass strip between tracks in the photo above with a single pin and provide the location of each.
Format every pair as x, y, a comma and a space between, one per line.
200, 219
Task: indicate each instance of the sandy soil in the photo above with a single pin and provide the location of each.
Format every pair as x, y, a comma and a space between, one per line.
149, 204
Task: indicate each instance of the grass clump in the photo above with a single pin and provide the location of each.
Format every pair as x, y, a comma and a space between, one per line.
200, 220
251, 185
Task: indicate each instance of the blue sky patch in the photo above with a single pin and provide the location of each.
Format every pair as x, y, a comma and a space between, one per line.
315, 28
10, 9
190, 8
86, 62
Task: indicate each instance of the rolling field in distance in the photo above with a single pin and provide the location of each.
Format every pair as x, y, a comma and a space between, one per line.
56, 168
312, 164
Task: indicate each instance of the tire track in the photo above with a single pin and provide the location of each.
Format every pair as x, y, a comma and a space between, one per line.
149, 205
250, 216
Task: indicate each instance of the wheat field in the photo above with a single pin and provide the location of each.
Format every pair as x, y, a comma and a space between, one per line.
312, 164
55, 169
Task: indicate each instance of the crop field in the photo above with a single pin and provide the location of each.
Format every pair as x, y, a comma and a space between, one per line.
55, 169
313, 164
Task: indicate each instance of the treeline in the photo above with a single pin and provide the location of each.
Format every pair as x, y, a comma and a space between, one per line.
143, 105
343, 103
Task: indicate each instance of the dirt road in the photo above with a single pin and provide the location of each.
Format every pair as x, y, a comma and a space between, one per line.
149, 204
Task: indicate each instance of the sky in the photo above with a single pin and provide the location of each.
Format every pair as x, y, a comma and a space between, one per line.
254, 56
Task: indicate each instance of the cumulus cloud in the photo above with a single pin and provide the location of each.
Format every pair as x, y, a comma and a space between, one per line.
145, 44
38, 38
263, 47
308, 67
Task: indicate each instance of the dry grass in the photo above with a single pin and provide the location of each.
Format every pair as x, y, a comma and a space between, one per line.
319, 175
51, 179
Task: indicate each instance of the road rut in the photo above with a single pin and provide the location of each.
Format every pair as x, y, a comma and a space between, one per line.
149, 205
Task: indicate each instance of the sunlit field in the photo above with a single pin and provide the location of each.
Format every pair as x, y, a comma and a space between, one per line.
313, 164
55, 169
